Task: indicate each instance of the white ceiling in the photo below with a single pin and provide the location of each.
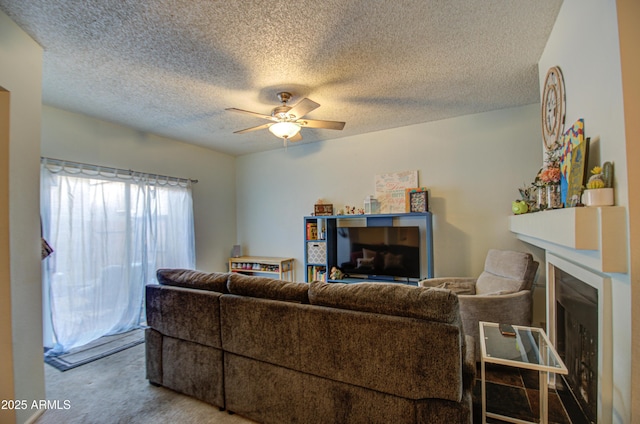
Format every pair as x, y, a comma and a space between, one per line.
171, 67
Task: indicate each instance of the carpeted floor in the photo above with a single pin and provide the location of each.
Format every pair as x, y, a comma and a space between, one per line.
114, 390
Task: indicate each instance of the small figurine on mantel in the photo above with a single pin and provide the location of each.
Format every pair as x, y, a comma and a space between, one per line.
351, 210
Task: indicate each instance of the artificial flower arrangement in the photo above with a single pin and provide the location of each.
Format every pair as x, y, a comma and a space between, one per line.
549, 176
550, 172
533, 198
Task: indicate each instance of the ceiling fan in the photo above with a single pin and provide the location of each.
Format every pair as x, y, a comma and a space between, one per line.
286, 121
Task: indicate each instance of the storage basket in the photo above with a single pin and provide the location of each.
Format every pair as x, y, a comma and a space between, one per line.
316, 253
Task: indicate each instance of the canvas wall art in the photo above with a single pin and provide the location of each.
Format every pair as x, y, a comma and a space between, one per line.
390, 190
572, 163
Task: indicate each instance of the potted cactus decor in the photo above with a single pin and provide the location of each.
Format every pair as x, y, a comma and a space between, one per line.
599, 189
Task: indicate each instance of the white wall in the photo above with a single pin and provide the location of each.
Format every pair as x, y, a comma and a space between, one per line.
473, 166
584, 43
79, 138
21, 75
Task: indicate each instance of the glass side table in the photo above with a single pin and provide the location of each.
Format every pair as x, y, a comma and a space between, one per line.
530, 349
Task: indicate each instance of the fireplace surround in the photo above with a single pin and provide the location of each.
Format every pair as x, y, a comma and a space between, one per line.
577, 344
580, 325
586, 244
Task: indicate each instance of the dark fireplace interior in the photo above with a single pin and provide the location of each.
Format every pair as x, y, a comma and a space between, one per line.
577, 345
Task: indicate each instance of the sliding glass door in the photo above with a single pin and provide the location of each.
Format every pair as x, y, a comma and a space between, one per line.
109, 234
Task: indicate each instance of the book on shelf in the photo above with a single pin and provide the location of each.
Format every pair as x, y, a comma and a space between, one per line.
316, 273
312, 231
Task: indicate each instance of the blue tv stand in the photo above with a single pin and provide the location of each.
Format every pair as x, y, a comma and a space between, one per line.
320, 238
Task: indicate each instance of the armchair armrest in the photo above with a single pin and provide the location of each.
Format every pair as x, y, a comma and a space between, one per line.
458, 285
512, 308
434, 282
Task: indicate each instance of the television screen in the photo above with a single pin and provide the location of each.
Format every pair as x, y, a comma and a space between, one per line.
379, 251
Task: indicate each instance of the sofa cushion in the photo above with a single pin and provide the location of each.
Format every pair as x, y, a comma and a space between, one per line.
491, 283
184, 313
193, 369
506, 270
212, 281
428, 303
507, 263
404, 357
267, 288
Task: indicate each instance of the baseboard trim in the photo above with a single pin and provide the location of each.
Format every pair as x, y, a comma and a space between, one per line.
35, 416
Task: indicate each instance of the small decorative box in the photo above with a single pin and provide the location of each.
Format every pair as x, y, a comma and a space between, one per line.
323, 210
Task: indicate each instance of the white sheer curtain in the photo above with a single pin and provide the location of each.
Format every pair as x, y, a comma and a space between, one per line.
109, 233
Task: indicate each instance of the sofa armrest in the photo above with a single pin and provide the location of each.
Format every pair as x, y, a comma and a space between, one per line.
469, 363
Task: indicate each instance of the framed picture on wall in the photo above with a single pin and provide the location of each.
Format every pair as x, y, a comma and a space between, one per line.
416, 199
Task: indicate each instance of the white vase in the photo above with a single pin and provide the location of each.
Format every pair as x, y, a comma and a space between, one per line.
598, 197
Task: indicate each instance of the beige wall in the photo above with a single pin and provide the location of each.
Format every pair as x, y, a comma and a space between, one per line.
585, 44
628, 19
463, 161
21, 76
79, 138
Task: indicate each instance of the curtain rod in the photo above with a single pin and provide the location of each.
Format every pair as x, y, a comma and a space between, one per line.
99, 168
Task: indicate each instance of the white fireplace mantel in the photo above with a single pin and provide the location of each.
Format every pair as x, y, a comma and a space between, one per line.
595, 237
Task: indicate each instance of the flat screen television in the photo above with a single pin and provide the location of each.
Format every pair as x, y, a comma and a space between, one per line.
379, 251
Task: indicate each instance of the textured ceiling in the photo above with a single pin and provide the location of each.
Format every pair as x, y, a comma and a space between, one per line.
171, 67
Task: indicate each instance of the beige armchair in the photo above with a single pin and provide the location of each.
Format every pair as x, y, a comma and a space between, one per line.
502, 293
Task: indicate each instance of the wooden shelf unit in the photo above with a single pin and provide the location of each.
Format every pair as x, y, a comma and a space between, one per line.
284, 268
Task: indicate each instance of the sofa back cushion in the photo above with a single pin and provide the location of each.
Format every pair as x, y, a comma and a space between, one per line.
267, 288
433, 304
213, 281
184, 313
406, 357
506, 271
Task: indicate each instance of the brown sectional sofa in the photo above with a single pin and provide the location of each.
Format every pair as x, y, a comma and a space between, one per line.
282, 352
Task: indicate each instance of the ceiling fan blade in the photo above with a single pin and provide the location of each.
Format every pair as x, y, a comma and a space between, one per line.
259, 127
296, 137
303, 107
257, 115
314, 123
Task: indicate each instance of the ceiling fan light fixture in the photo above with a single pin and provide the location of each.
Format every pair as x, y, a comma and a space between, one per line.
284, 129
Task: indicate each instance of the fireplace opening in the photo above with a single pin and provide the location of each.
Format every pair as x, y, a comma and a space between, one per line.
577, 345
